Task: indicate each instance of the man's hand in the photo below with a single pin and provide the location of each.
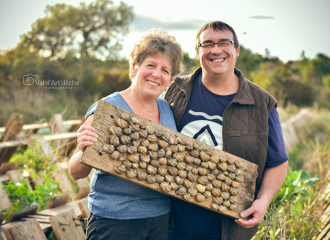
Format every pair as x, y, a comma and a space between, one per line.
257, 210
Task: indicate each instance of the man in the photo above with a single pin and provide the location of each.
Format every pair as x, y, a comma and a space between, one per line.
218, 106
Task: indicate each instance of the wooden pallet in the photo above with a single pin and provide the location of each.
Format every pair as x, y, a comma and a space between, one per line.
96, 157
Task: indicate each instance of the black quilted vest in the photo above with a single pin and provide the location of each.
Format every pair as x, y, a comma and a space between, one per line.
245, 131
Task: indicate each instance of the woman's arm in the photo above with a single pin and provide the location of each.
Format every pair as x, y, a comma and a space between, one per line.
85, 137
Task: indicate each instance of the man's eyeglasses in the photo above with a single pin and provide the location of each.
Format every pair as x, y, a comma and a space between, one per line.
221, 44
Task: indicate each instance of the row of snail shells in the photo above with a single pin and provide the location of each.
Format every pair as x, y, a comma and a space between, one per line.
177, 166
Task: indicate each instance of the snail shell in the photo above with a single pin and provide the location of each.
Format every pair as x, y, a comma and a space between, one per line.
122, 148
145, 143
235, 184
226, 203
151, 179
215, 206
151, 170
207, 194
194, 170
127, 163
125, 116
189, 159
181, 165
121, 123
154, 163
230, 161
200, 188
163, 144
166, 137
239, 164
159, 178
233, 191
145, 158
196, 146
126, 140
173, 141
232, 176
114, 140
204, 157
153, 147
222, 208
181, 140
168, 178
122, 156
188, 168
189, 147
135, 136
215, 171
212, 165
202, 171
172, 162
152, 138
200, 197
223, 166
209, 186
174, 186
208, 152
192, 177
202, 180
228, 181
165, 187
216, 192
127, 131
197, 161
225, 195
116, 131
233, 199
135, 165
131, 173
226, 173
181, 191
178, 180
214, 159
218, 200
150, 130
223, 159
136, 120
143, 133
221, 177
131, 149
135, 128
210, 177
172, 170
133, 158
182, 173
162, 161
231, 168
181, 148
115, 155
225, 187
162, 171
174, 148
143, 165
153, 155
239, 179
233, 207
204, 164
187, 183
194, 153
141, 174
179, 157
108, 148
142, 126
158, 133
192, 191
186, 196
168, 152
119, 168
216, 183
136, 143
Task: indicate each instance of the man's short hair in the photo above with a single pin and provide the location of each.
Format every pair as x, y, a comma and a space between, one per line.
216, 26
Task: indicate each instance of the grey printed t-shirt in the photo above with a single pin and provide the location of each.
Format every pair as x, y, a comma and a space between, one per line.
116, 198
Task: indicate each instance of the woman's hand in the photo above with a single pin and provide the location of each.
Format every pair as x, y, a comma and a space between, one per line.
86, 136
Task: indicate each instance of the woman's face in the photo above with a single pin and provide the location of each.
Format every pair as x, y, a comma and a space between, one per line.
153, 75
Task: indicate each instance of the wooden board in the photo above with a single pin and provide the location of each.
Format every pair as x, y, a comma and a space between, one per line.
66, 227
2, 217
29, 230
22, 213
4, 200
83, 205
6, 167
84, 188
58, 201
96, 157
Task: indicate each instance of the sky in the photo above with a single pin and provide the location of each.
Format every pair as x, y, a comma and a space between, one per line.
285, 27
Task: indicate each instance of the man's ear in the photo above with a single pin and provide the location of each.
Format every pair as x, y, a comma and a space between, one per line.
197, 53
237, 52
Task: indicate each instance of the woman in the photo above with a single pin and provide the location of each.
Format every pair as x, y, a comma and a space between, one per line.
121, 209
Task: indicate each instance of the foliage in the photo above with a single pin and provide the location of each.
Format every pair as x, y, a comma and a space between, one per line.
288, 217
21, 196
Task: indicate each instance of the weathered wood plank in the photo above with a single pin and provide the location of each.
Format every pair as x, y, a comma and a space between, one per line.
13, 128
4, 200
56, 126
64, 182
84, 188
67, 227
6, 167
58, 201
96, 157
29, 230
2, 217
83, 205
22, 213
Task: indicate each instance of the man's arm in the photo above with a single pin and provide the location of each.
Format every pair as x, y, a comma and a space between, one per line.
271, 184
